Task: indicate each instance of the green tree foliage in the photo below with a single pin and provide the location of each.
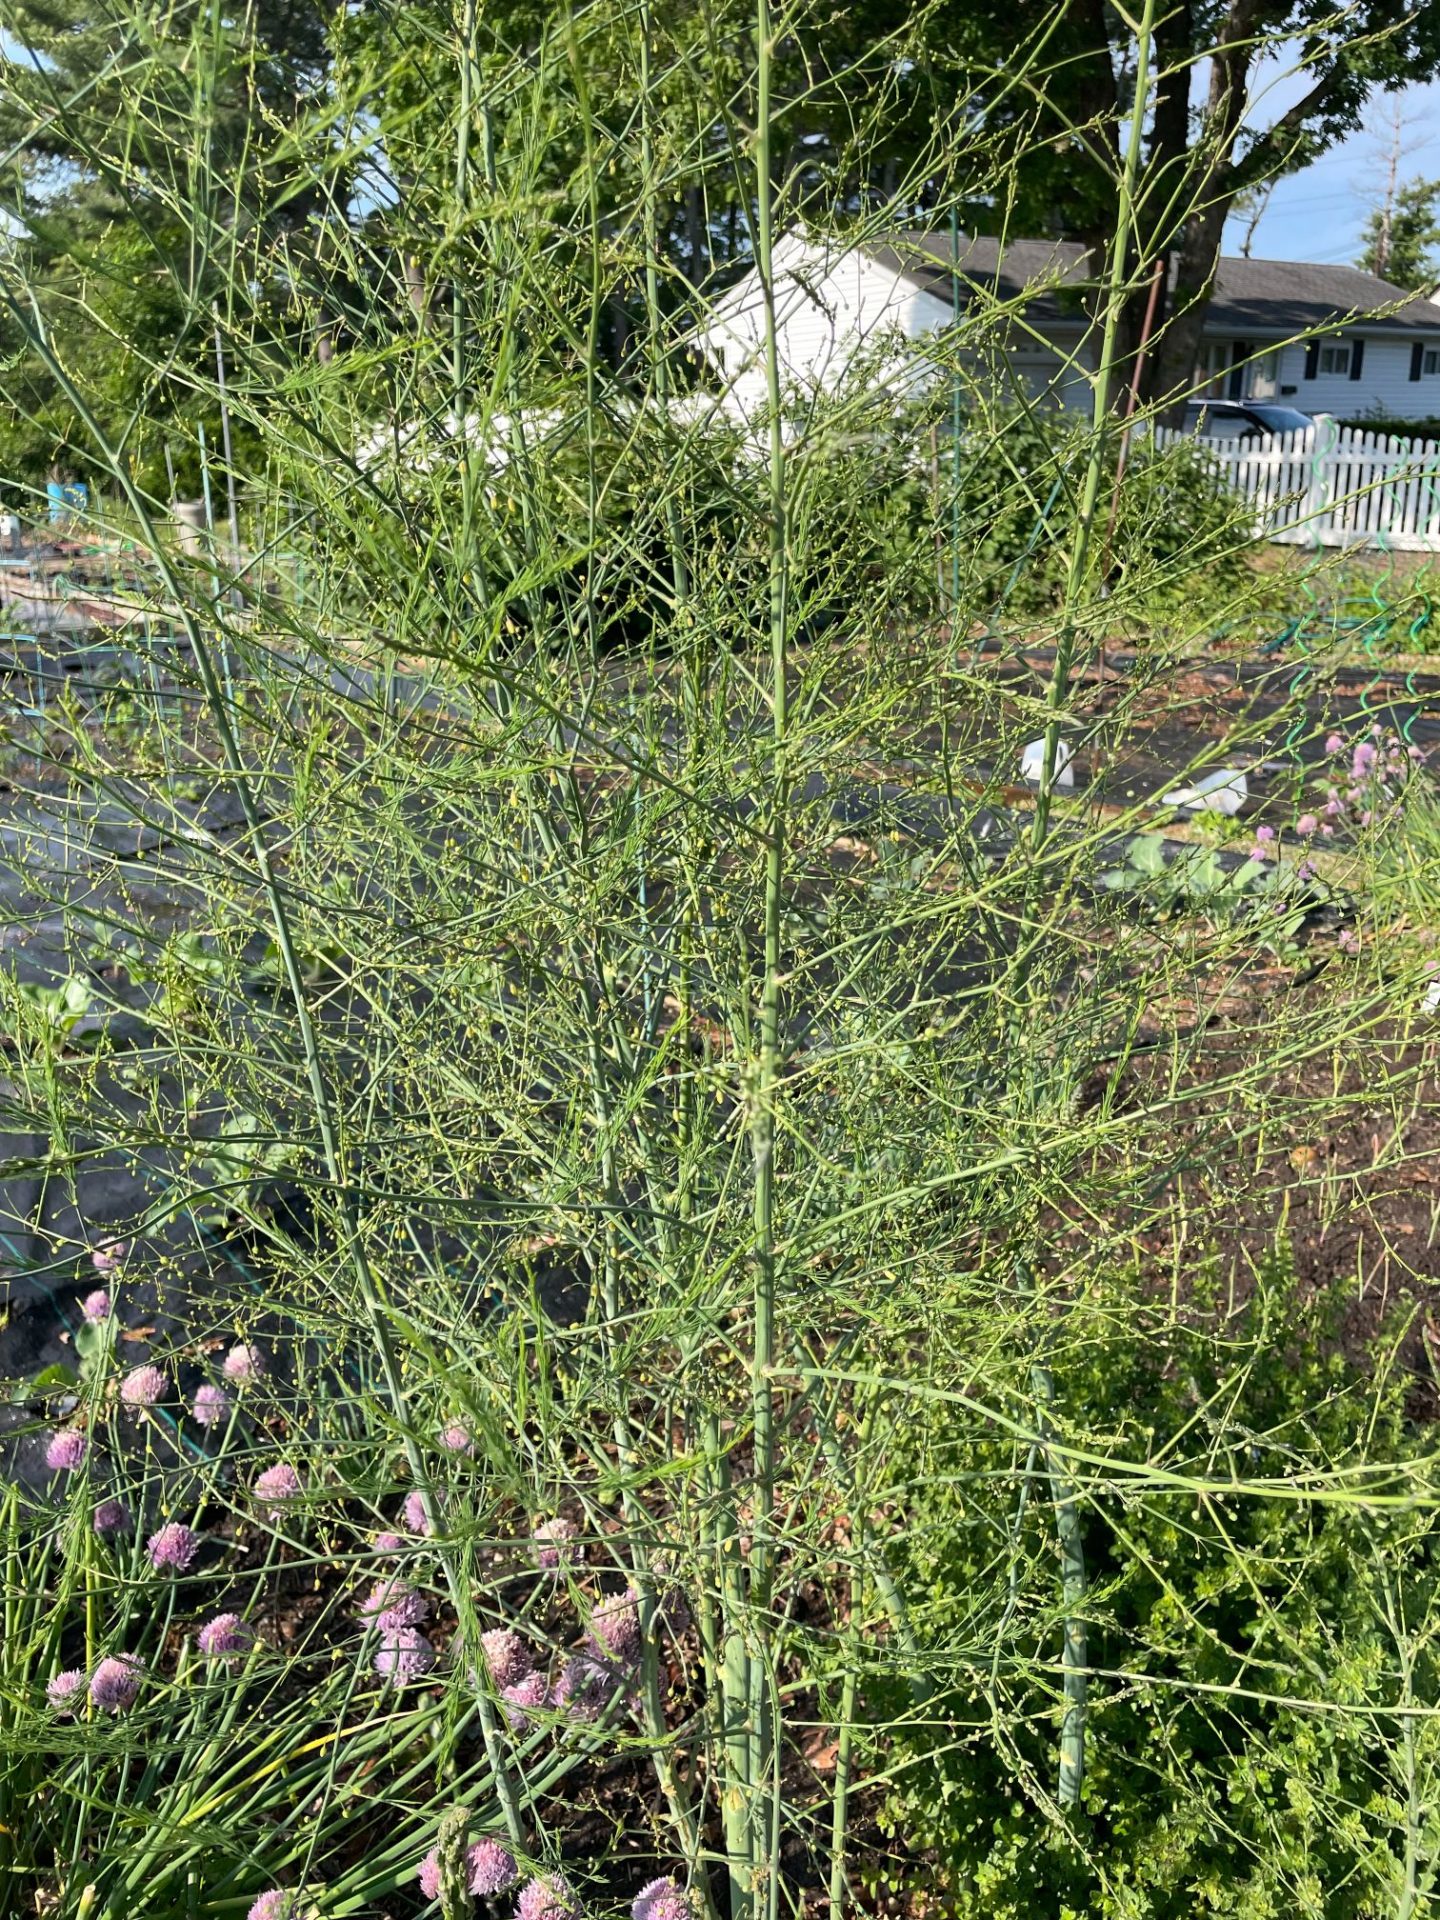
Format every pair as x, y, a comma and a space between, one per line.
129, 240
1203, 144
1400, 241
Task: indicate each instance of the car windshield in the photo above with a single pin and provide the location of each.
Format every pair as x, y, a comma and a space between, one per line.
1282, 419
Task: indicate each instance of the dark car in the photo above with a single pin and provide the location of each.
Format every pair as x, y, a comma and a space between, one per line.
1243, 419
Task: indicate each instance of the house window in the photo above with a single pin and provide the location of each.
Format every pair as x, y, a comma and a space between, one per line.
1264, 377
1430, 360
1336, 360
1212, 371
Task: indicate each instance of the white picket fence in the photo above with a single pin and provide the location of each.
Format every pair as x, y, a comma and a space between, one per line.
1333, 486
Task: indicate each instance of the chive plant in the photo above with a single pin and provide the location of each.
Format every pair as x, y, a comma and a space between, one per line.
600, 1018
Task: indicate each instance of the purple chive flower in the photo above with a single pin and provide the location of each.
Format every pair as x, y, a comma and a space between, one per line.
663, 1899
277, 1485
414, 1512
96, 1305
1349, 941
115, 1683
456, 1438
554, 1539
1306, 825
243, 1363
549, 1896
210, 1405
1334, 743
66, 1450
225, 1635
1362, 760
1305, 871
587, 1686
394, 1603
144, 1387
405, 1654
1265, 834
522, 1699
112, 1517
106, 1258
615, 1625
489, 1868
277, 1904
62, 1691
172, 1548
387, 1543
507, 1656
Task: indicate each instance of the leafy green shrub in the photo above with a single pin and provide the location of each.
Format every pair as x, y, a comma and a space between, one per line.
1246, 1755
1171, 528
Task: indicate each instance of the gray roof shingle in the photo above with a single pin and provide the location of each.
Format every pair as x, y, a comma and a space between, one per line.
1258, 296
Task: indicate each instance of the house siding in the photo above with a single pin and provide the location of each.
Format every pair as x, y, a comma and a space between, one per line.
829, 312
833, 307
1383, 389
826, 313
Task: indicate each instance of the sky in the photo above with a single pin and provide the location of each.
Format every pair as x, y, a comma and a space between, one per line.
1320, 213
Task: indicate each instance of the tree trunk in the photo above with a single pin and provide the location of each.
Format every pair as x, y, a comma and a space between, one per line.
694, 237
1205, 184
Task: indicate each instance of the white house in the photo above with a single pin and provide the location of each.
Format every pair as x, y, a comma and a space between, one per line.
1322, 339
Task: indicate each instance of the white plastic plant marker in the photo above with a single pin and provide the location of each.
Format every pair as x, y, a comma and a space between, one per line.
1431, 1002
1224, 791
1032, 763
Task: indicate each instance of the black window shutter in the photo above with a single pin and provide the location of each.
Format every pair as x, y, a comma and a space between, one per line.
1417, 358
1357, 358
1312, 359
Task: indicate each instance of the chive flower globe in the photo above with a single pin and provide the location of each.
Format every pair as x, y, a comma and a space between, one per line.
404, 1655
277, 1485
615, 1625
109, 1255
490, 1868
549, 1896
112, 1517
414, 1512
456, 1438
553, 1539
385, 1542
224, 1637
144, 1387
173, 1548
587, 1686
243, 1364
62, 1691
394, 1603
116, 1682
277, 1904
521, 1700
507, 1656
663, 1899
210, 1405
96, 1305
66, 1450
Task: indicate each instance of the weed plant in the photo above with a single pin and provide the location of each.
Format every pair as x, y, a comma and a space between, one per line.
613, 1384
